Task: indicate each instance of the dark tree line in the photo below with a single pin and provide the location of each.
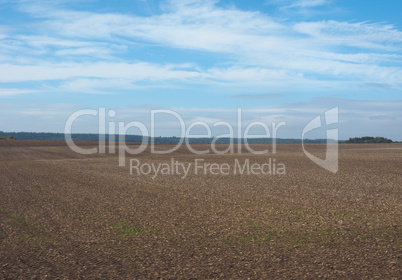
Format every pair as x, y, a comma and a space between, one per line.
368, 139
139, 138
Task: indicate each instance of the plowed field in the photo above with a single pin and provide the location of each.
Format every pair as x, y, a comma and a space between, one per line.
69, 216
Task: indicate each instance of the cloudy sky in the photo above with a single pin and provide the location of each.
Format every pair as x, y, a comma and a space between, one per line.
278, 60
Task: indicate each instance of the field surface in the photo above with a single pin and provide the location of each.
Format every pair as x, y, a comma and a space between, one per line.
69, 216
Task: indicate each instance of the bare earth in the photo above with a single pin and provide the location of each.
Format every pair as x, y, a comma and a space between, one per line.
70, 216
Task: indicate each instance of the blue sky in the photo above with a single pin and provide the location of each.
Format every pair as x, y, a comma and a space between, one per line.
287, 60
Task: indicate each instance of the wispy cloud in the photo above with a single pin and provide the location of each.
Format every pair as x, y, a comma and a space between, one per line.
134, 71
363, 34
300, 5
308, 3
91, 50
259, 96
15, 91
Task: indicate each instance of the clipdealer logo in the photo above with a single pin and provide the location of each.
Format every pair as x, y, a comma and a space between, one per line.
330, 162
117, 134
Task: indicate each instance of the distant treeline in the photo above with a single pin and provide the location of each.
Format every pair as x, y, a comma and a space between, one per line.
138, 138
368, 139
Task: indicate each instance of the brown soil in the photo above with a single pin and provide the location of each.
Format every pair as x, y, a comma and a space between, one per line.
70, 216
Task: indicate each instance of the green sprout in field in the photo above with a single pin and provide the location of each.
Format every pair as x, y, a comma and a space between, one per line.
128, 230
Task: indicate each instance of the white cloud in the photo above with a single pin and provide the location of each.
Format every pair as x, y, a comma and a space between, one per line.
133, 71
92, 52
98, 86
363, 35
250, 75
216, 30
259, 96
308, 3
15, 91
254, 48
46, 41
